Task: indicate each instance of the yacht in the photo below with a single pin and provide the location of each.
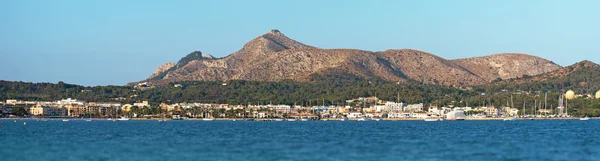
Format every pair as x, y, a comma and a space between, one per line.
364, 119
208, 119
584, 118
65, 120
509, 119
124, 119
430, 119
344, 119
291, 119
304, 119
278, 119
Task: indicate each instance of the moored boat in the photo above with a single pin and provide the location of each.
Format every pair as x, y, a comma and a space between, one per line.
124, 119
430, 119
364, 119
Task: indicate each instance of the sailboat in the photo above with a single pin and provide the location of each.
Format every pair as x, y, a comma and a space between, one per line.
89, 119
208, 119
163, 117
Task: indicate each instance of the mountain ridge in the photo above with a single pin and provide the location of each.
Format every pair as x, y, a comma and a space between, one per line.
275, 57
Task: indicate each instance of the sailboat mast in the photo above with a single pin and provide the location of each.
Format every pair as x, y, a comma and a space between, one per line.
545, 104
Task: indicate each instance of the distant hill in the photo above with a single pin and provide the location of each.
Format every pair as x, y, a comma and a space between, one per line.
275, 57
581, 77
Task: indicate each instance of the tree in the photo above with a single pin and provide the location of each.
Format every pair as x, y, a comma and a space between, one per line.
20, 111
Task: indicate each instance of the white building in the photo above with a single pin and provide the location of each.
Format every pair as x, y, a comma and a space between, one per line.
414, 107
354, 115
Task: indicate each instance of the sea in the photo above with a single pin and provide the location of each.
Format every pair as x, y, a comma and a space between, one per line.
521, 140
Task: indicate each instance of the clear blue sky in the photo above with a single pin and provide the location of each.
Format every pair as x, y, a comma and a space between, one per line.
102, 42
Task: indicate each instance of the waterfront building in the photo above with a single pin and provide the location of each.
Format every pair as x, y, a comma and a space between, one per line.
75, 110
354, 115
395, 115
490, 111
414, 107
70, 101
420, 114
373, 115
6, 109
456, 115
40, 110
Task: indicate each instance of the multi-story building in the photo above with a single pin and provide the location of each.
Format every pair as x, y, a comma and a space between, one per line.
39, 110
414, 107
6, 109
75, 110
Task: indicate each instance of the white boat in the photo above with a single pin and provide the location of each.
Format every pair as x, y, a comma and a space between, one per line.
88, 120
509, 119
364, 119
379, 119
344, 119
124, 119
208, 119
430, 119
304, 119
584, 118
278, 119
65, 120
291, 120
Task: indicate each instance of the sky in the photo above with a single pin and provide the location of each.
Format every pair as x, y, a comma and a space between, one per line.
112, 42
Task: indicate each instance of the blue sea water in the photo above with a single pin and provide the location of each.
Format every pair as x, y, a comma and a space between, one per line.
317, 140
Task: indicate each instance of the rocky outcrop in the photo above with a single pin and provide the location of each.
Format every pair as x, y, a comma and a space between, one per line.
161, 69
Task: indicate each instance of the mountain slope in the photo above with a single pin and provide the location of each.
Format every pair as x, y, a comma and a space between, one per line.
275, 57
506, 66
581, 77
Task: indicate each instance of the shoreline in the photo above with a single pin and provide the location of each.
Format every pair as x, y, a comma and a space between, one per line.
285, 120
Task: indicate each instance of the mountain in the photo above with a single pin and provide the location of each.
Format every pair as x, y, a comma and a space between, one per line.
275, 57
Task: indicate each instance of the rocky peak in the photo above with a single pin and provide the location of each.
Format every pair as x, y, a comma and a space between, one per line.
162, 68
208, 56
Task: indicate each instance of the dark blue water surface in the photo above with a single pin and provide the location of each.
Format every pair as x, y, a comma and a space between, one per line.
317, 140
